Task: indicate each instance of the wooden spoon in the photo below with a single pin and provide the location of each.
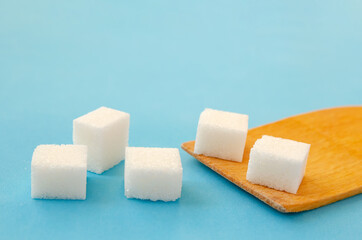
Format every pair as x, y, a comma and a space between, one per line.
334, 166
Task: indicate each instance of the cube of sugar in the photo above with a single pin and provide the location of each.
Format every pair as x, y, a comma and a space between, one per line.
59, 172
221, 134
153, 173
105, 132
278, 163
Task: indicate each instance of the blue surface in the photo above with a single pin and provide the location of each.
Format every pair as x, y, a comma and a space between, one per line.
164, 62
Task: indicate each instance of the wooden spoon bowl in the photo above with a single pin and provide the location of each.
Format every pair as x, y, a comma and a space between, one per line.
334, 166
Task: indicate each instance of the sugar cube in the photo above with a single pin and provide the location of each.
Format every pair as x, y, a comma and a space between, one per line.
153, 173
221, 134
278, 163
105, 132
59, 172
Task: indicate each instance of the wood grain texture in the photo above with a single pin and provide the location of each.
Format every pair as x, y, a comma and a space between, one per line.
334, 165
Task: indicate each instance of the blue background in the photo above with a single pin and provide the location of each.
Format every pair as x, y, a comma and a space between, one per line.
163, 62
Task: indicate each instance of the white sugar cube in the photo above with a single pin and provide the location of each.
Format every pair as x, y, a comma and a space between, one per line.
278, 163
59, 172
221, 134
105, 132
153, 173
